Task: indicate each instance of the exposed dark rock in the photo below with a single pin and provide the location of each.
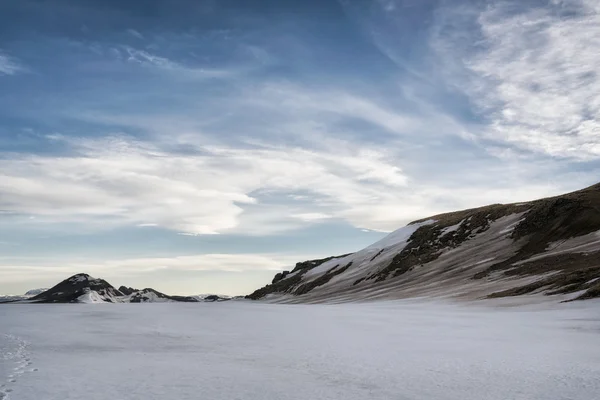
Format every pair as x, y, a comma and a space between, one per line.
279, 276
321, 280
127, 290
378, 254
286, 284
573, 272
310, 264
149, 295
592, 293
69, 290
551, 220
542, 222
427, 243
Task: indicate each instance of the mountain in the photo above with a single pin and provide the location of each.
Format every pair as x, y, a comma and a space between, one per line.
19, 297
152, 296
549, 246
35, 292
82, 288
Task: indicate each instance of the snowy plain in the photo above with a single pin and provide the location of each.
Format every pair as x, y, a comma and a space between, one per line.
244, 350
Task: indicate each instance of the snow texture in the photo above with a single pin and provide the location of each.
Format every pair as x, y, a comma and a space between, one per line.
256, 351
362, 261
35, 292
451, 229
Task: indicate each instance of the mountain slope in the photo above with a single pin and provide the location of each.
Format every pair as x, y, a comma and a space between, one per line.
82, 288
549, 246
153, 296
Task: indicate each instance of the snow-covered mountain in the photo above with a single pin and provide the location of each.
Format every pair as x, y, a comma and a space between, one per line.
549, 246
19, 297
35, 292
82, 288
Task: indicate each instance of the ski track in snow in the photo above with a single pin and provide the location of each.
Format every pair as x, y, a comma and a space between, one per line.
15, 361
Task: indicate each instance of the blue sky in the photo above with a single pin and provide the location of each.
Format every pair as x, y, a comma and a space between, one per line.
199, 146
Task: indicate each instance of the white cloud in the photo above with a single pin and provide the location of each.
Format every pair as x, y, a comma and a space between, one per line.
148, 59
137, 183
118, 180
8, 65
532, 71
309, 217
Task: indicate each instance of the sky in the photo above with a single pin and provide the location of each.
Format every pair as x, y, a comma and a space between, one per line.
200, 146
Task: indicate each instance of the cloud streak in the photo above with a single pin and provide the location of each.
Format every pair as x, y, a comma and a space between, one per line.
8, 65
203, 193
531, 71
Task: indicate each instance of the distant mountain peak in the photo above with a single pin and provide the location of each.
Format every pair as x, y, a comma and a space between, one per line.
83, 288
35, 292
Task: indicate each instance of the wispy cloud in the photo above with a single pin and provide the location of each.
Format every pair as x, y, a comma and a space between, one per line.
221, 189
148, 59
135, 33
136, 182
532, 70
9, 65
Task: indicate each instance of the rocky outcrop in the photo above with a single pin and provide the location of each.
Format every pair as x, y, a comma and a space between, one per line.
35, 292
127, 290
549, 246
286, 283
82, 288
72, 290
279, 276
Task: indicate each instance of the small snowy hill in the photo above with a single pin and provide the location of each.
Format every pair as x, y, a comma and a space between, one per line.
35, 292
82, 288
152, 296
19, 297
549, 246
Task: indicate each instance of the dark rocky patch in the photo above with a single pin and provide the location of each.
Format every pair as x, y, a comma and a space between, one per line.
279, 276
140, 296
573, 273
287, 285
127, 290
377, 255
543, 222
552, 220
69, 290
321, 280
427, 243
214, 297
356, 282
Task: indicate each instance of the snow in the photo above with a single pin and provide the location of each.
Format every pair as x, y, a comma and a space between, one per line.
35, 292
81, 278
150, 297
94, 297
400, 236
396, 240
450, 229
256, 351
510, 228
291, 275
91, 297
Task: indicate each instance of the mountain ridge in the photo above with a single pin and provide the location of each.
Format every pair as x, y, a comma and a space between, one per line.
82, 288
548, 246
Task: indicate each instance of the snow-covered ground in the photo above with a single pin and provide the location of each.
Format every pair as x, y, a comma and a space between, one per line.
243, 350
